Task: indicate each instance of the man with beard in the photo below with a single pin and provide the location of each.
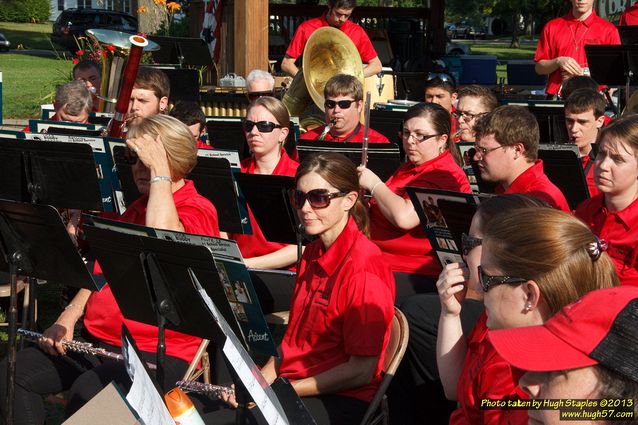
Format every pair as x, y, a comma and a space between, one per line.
149, 95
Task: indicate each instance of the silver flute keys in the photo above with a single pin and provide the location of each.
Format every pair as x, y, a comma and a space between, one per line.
208, 389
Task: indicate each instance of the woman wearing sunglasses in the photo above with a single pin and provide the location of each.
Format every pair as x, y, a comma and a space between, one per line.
266, 129
432, 162
165, 154
533, 263
342, 304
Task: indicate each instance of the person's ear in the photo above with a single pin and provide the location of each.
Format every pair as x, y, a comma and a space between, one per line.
519, 150
359, 106
284, 133
163, 103
349, 200
600, 121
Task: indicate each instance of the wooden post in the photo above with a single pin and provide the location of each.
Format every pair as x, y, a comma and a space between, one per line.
250, 36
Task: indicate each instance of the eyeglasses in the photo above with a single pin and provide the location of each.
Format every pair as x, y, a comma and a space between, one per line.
418, 137
252, 96
442, 76
318, 198
262, 126
485, 151
466, 115
343, 104
488, 281
468, 243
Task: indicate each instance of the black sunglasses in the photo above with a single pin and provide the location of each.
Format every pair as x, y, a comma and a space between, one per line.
252, 96
488, 281
468, 243
343, 104
262, 126
442, 76
318, 198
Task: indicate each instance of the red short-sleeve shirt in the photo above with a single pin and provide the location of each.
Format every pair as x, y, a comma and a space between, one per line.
410, 251
486, 375
356, 136
619, 230
103, 318
342, 306
566, 36
534, 182
629, 16
353, 31
256, 244
588, 167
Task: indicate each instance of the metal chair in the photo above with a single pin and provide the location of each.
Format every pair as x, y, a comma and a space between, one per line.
377, 412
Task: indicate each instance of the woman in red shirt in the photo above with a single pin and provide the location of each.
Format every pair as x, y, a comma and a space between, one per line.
613, 213
432, 162
266, 129
533, 263
165, 155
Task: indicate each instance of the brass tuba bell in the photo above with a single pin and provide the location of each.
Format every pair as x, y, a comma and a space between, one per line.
328, 52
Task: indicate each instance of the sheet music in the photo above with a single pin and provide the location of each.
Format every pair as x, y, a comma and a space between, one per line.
143, 397
231, 156
247, 371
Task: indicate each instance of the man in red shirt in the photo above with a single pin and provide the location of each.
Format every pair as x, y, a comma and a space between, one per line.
338, 15
584, 116
440, 88
192, 115
630, 15
561, 48
507, 151
344, 101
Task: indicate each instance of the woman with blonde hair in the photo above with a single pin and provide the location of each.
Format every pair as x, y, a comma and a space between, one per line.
266, 130
533, 263
164, 154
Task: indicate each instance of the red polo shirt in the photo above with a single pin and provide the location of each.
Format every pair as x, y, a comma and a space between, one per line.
373, 136
589, 177
353, 31
202, 145
566, 36
629, 16
103, 318
533, 181
619, 230
256, 244
486, 375
342, 306
409, 251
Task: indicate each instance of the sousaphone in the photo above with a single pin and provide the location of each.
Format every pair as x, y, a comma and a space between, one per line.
328, 52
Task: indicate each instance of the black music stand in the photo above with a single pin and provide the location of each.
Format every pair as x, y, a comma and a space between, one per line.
551, 122
383, 158
153, 282
35, 243
125, 174
565, 169
184, 84
274, 288
613, 65
182, 51
628, 34
75, 131
388, 123
213, 179
228, 134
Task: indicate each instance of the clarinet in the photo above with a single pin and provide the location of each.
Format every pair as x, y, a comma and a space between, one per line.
208, 389
80, 347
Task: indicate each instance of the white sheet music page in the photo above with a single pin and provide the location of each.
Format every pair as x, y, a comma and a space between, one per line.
248, 372
143, 397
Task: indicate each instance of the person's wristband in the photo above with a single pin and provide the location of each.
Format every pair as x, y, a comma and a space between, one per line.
374, 187
160, 179
76, 306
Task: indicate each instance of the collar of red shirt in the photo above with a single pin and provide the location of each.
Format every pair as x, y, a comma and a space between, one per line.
587, 22
329, 260
283, 160
625, 216
409, 168
533, 173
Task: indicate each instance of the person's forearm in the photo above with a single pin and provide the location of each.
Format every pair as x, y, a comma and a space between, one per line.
373, 67
283, 257
288, 66
270, 370
397, 210
451, 346
546, 66
355, 373
160, 210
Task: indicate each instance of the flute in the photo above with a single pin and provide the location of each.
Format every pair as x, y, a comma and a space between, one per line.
366, 126
208, 389
80, 347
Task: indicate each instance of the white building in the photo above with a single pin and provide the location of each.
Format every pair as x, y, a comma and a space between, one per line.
58, 6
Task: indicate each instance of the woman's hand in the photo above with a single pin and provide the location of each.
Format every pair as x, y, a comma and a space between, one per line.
367, 179
151, 152
451, 288
229, 397
62, 330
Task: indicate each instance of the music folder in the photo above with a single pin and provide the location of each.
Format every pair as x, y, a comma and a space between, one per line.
564, 168
383, 158
268, 199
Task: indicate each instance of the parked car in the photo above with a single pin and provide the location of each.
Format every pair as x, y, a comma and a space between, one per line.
74, 22
5, 44
454, 48
464, 30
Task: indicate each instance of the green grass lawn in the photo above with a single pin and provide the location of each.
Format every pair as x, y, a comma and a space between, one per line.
28, 82
31, 36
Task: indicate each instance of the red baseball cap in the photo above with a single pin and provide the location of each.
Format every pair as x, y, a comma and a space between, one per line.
600, 328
